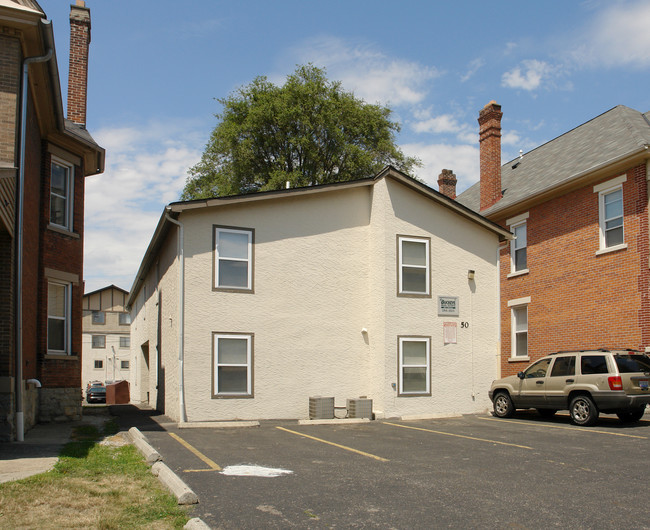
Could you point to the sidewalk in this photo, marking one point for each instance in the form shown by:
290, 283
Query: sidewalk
43, 443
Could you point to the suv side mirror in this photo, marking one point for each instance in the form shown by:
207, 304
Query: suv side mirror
521, 375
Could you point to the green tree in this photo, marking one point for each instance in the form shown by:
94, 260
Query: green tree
308, 131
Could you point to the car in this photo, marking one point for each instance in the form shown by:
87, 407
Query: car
96, 394
584, 382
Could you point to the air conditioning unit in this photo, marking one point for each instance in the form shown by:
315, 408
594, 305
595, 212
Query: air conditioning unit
359, 408
321, 408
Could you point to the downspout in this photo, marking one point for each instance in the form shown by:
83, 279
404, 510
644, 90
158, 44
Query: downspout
181, 317
20, 420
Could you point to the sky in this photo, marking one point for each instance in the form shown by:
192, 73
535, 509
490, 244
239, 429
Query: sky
157, 68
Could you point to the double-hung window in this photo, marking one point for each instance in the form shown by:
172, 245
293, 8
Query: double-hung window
58, 317
61, 194
611, 214
413, 266
414, 366
232, 362
233, 256
519, 320
519, 245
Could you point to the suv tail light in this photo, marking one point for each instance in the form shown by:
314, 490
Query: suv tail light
615, 382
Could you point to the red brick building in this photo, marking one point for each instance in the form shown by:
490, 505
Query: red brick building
577, 274
44, 159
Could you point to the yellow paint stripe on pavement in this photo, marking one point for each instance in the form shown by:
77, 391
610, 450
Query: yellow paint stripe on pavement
195, 451
457, 435
580, 429
335, 445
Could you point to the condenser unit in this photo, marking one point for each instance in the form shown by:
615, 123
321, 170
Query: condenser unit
321, 408
359, 408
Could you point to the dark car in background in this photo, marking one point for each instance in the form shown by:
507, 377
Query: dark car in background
96, 394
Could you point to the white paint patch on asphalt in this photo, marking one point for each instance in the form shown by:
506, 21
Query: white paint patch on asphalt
254, 471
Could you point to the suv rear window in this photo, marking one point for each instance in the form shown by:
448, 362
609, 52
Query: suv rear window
628, 364
593, 364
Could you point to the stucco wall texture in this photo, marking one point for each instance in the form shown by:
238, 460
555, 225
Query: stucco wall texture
325, 268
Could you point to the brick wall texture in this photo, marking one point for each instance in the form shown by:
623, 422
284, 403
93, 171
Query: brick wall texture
580, 299
10, 58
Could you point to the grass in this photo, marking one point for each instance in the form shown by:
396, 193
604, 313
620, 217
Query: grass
92, 486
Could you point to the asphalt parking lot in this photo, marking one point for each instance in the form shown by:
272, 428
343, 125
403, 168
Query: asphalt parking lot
470, 471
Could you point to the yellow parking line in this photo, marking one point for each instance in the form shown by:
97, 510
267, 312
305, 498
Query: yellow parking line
457, 435
194, 450
335, 445
580, 429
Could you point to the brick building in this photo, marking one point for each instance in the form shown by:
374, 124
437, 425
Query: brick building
576, 276
44, 159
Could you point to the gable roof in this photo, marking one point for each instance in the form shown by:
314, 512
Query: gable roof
614, 136
175, 208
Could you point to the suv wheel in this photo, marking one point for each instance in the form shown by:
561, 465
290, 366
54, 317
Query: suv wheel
631, 416
583, 410
503, 407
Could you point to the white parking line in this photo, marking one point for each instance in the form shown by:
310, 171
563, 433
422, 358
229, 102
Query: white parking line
579, 429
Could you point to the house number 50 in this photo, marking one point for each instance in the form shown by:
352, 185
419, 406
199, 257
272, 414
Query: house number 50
464, 324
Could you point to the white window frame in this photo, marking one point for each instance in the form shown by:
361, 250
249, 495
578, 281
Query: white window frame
515, 305
92, 341
401, 365
401, 266
248, 337
249, 232
603, 189
69, 199
66, 318
125, 339
512, 224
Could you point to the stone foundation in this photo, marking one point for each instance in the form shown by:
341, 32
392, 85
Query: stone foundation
59, 405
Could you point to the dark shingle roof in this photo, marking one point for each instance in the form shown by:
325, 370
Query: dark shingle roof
614, 134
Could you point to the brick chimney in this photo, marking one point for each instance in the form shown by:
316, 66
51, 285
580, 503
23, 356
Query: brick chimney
489, 120
78, 71
447, 183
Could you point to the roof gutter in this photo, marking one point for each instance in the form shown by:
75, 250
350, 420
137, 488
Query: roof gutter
20, 420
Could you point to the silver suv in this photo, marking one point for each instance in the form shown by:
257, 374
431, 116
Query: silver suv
583, 382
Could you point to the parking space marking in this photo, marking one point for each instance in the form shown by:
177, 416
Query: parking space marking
196, 452
579, 429
335, 445
457, 435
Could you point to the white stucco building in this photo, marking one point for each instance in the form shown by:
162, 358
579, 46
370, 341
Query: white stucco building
106, 340
380, 287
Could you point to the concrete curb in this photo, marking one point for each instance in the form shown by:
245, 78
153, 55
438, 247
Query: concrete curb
335, 421
217, 424
150, 454
174, 484
196, 524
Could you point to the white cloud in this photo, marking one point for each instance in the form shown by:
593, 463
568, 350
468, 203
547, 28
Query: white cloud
529, 76
463, 160
474, 66
145, 169
617, 36
369, 73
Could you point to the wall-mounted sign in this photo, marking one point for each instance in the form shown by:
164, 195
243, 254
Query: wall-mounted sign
448, 306
450, 332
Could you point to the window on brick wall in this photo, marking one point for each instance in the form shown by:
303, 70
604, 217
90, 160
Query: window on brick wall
58, 317
611, 214
520, 331
519, 245
61, 193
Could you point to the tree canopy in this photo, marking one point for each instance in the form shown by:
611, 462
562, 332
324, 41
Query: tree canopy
308, 131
